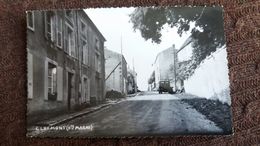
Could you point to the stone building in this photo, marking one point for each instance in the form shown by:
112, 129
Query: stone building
116, 71
165, 67
65, 61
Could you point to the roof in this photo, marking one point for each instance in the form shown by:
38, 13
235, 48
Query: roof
93, 25
113, 52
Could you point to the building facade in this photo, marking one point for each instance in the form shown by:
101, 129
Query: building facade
164, 67
65, 60
116, 72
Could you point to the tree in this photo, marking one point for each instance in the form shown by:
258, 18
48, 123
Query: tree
207, 35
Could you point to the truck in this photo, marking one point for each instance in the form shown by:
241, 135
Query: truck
164, 86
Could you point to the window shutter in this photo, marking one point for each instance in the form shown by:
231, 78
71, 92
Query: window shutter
73, 45
59, 31
60, 83
45, 24
53, 27
46, 80
84, 55
66, 40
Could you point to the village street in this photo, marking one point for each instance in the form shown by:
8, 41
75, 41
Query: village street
106, 82
148, 113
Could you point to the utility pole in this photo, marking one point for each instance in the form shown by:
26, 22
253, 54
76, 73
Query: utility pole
135, 76
122, 78
174, 65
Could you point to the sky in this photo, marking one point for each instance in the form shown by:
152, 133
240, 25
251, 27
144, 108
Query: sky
115, 22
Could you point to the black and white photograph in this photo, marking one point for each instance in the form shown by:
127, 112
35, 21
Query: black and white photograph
127, 72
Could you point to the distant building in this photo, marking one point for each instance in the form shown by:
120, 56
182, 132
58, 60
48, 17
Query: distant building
116, 72
131, 81
65, 60
165, 68
184, 55
151, 82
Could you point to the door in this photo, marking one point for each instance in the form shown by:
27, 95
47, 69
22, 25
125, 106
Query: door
70, 75
85, 89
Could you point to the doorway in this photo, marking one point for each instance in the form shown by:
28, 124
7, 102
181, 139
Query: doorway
70, 76
85, 89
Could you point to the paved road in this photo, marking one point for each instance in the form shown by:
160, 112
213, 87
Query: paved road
145, 114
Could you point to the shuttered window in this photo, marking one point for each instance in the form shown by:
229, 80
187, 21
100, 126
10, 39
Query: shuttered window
59, 31
49, 25
30, 20
52, 82
70, 40
85, 52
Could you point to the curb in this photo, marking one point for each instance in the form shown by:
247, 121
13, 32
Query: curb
132, 95
79, 114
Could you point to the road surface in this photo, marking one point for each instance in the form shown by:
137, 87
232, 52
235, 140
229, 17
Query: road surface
146, 114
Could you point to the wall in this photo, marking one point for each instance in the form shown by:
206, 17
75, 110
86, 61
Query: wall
210, 79
115, 80
186, 53
39, 49
96, 79
42, 51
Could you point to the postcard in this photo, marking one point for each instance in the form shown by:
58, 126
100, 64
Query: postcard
119, 72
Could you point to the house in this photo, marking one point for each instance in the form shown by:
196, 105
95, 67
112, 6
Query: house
116, 72
65, 61
165, 67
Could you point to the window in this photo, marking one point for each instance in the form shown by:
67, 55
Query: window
83, 28
70, 41
96, 44
85, 52
59, 31
30, 20
97, 63
52, 82
49, 25
83, 35
69, 13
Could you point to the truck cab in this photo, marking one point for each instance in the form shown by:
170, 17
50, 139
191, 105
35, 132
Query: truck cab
164, 86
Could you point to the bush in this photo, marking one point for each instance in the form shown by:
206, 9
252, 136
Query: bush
114, 95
